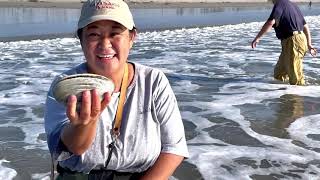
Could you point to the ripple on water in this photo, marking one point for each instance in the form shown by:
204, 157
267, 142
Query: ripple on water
11, 133
8, 84
233, 135
9, 114
190, 132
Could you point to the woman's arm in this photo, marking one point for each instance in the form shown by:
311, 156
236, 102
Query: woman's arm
80, 133
173, 142
163, 168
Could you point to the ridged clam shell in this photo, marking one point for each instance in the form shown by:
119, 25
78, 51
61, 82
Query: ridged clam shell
76, 84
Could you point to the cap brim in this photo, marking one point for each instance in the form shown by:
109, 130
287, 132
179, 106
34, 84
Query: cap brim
90, 20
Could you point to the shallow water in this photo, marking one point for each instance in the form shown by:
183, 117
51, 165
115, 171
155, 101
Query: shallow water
32, 23
240, 123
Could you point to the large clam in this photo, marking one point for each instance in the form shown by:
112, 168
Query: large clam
76, 84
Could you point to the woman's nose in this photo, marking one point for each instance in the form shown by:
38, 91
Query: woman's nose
105, 42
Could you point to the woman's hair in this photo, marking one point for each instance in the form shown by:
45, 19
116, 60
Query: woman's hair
79, 32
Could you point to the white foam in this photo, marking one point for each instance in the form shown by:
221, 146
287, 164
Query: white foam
187, 86
284, 151
302, 127
5, 172
43, 176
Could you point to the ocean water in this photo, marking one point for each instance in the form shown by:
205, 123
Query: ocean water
240, 123
31, 23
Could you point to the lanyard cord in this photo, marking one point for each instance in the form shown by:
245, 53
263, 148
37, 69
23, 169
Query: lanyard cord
123, 92
117, 123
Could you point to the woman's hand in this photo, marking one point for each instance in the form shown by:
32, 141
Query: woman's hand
80, 133
90, 110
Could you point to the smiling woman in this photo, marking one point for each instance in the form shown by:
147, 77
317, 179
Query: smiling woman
106, 46
104, 138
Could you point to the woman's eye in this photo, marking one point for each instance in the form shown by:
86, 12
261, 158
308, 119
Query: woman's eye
93, 34
114, 34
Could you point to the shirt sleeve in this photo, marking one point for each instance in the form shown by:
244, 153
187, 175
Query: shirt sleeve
168, 114
301, 15
55, 119
276, 12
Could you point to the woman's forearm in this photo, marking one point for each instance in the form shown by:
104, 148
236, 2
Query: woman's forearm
163, 168
80, 133
78, 138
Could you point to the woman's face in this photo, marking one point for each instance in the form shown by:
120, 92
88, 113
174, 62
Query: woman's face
106, 45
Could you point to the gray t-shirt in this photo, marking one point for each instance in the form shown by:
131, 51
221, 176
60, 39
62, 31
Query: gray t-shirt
151, 124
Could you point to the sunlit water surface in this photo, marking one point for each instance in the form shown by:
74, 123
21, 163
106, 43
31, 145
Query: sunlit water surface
240, 123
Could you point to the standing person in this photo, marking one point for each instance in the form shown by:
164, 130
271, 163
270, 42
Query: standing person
151, 143
310, 4
293, 31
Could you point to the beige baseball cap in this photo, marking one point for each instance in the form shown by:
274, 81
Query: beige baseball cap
114, 10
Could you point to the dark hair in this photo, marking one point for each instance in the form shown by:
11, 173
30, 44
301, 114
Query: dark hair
79, 32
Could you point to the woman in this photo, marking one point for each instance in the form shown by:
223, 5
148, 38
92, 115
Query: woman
135, 131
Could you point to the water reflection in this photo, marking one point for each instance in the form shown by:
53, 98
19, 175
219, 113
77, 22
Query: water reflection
41, 21
171, 18
274, 118
37, 15
36, 21
22, 22
291, 107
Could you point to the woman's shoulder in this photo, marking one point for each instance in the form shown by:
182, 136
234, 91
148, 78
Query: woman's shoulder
147, 70
150, 76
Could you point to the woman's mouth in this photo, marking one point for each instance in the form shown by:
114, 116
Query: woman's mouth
105, 56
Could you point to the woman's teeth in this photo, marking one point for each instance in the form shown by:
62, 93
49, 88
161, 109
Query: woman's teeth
105, 56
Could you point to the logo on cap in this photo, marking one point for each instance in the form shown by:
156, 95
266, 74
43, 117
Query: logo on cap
104, 5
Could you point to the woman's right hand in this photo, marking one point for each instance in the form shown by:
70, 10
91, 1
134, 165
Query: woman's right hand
90, 110
79, 134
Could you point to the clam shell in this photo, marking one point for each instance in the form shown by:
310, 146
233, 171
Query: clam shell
76, 84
